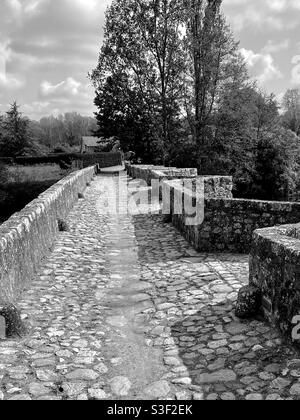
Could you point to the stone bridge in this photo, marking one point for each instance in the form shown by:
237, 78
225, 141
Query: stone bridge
141, 305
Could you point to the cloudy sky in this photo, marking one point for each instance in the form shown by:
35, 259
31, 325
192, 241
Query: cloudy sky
47, 48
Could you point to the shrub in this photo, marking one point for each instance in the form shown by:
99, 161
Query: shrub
3, 174
15, 196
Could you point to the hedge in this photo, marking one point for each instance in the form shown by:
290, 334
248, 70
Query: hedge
103, 159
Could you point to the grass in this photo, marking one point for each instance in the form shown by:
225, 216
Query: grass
21, 174
18, 195
22, 184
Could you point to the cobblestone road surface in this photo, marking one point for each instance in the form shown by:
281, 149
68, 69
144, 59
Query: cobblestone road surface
124, 308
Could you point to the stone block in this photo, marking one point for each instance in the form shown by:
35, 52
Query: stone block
2, 328
14, 326
248, 303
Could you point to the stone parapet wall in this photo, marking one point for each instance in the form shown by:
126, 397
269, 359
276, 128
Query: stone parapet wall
215, 186
228, 223
275, 272
144, 172
173, 173
27, 237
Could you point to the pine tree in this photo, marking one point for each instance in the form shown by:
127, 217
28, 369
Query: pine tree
15, 134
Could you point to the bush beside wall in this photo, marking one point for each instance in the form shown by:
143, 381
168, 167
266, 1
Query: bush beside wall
84, 160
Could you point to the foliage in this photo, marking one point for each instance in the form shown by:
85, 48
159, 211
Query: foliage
20, 136
277, 169
62, 131
172, 86
3, 174
121, 115
291, 104
140, 73
15, 137
15, 196
215, 67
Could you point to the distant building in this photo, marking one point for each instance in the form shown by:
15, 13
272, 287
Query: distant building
91, 145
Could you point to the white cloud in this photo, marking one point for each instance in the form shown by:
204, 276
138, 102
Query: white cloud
266, 15
20, 7
86, 5
15, 5
261, 66
7, 81
66, 96
66, 87
273, 47
53, 44
296, 70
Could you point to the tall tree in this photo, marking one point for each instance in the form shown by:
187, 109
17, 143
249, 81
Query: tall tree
64, 130
143, 41
291, 103
15, 134
121, 115
276, 167
216, 65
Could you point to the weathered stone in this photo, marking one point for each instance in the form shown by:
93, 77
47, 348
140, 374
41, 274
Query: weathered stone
228, 396
183, 396
272, 397
47, 375
295, 390
97, 394
72, 389
198, 396
158, 389
36, 389
83, 374
22, 397
280, 383
43, 363
248, 303
294, 364
2, 328
82, 397
212, 397
224, 375
13, 322
120, 386
273, 368
217, 344
172, 361
80, 344
101, 368
254, 397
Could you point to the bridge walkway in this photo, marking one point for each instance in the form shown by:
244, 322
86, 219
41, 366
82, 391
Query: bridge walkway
124, 308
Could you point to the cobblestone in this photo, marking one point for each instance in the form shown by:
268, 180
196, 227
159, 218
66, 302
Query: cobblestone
125, 308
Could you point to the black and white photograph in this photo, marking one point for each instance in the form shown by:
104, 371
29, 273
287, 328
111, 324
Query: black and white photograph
149, 203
